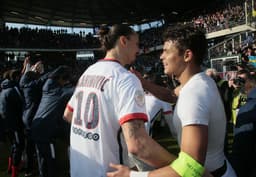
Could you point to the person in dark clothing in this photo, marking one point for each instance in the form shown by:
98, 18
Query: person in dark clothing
225, 91
48, 121
31, 84
11, 106
2, 126
2, 131
244, 146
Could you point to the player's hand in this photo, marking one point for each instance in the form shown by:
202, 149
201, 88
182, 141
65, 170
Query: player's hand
26, 61
207, 174
137, 73
121, 171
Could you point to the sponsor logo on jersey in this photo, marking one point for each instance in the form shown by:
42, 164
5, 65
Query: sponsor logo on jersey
86, 135
140, 98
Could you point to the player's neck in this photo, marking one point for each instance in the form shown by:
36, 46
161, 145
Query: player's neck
113, 56
189, 72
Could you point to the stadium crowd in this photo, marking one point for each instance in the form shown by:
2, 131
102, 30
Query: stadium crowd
230, 15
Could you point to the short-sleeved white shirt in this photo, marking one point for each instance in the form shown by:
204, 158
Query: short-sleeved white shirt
106, 96
199, 102
154, 106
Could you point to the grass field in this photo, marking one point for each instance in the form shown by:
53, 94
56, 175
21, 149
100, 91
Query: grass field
161, 134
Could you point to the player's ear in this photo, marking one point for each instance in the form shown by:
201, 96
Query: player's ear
123, 40
188, 55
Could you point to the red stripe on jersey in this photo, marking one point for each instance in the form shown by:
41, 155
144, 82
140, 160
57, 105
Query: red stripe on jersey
167, 112
133, 116
70, 108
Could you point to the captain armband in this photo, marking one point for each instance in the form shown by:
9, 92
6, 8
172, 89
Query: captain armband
139, 174
186, 166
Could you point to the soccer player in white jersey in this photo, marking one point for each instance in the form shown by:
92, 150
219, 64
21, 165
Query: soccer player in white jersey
109, 100
156, 108
199, 116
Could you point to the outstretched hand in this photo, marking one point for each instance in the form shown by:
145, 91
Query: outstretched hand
121, 171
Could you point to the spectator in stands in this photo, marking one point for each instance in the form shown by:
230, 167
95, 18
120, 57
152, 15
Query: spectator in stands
31, 84
243, 151
2, 127
2, 131
199, 128
10, 98
251, 55
227, 16
48, 122
45, 38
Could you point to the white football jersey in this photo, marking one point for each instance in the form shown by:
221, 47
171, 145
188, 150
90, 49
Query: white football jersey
157, 108
106, 96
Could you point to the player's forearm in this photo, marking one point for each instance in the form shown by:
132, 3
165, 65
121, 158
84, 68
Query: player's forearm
155, 155
146, 149
166, 171
160, 92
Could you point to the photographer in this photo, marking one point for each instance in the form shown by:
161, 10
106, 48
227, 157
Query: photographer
239, 96
243, 150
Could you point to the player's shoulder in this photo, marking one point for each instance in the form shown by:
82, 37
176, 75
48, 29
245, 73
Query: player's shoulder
130, 77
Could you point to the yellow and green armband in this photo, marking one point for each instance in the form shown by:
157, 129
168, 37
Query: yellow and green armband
186, 166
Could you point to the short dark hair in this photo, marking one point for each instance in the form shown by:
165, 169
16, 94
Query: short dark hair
252, 80
188, 37
243, 71
14, 74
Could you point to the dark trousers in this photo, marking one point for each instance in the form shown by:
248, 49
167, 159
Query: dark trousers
46, 159
17, 145
30, 151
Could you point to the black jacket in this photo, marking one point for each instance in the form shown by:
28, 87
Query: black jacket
48, 120
31, 87
11, 105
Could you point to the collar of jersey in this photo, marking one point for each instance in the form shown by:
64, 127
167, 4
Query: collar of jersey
110, 59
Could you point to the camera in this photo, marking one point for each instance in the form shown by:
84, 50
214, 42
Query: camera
239, 81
